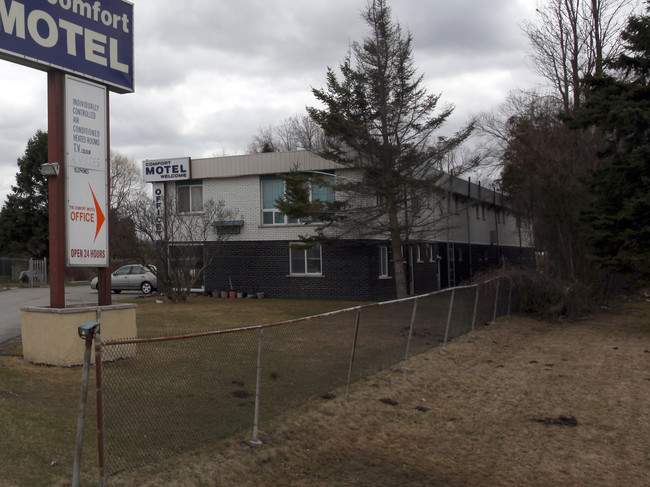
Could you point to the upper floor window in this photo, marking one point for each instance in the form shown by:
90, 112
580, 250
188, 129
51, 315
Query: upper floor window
189, 196
273, 189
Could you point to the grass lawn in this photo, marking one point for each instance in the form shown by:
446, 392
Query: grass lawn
39, 405
524, 403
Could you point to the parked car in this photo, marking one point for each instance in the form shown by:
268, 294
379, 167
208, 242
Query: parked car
131, 278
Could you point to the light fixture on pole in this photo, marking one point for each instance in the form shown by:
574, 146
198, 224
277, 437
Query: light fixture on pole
49, 169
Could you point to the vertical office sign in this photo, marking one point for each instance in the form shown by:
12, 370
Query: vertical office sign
87, 199
159, 202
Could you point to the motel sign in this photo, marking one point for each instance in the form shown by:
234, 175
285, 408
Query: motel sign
93, 39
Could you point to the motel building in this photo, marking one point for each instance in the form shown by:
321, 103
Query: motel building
476, 232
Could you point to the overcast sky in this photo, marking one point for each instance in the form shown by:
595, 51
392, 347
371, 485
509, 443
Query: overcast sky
210, 73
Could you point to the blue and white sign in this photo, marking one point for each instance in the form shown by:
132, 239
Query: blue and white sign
92, 39
161, 170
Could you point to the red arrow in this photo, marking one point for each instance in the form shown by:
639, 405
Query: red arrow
100, 215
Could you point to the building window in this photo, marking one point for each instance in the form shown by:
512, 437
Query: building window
478, 216
431, 249
186, 262
306, 261
383, 261
321, 192
273, 189
418, 253
189, 196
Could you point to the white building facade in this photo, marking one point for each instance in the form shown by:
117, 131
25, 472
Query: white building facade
475, 232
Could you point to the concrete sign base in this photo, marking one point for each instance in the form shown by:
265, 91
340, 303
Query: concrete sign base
50, 335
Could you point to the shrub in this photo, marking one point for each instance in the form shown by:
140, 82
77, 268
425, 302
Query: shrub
546, 297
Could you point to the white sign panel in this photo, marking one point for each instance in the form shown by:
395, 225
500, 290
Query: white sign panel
161, 170
86, 174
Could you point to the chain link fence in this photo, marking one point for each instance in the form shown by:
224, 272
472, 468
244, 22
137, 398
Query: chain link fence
177, 394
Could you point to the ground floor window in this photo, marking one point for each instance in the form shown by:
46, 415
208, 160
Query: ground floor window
383, 261
186, 264
305, 261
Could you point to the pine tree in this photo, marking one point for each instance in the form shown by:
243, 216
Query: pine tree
619, 218
24, 216
379, 121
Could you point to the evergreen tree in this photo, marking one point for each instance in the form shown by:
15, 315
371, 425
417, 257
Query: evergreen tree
379, 121
619, 218
24, 216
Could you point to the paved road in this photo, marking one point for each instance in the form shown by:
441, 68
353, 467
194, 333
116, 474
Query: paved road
12, 300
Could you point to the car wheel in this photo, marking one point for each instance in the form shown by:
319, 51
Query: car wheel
117, 291
146, 287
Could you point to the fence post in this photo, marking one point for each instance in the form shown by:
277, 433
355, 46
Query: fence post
86, 332
408, 340
354, 349
451, 306
255, 441
478, 286
509, 297
496, 301
100, 410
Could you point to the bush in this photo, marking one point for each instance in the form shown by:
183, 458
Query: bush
546, 297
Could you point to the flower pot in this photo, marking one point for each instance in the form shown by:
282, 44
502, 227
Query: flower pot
232, 294
224, 294
240, 294
260, 295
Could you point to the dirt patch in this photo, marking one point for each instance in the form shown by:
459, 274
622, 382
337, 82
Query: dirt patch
524, 403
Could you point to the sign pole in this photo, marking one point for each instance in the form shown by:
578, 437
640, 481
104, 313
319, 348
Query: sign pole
104, 273
56, 186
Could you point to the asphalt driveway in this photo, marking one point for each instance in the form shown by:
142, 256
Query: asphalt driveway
13, 299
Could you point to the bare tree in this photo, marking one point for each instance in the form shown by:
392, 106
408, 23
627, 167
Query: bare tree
492, 136
126, 181
307, 134
187, 245
127, 190
570, 39
298, 132
543, 165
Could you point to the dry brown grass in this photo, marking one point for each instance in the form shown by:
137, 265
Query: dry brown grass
485, 414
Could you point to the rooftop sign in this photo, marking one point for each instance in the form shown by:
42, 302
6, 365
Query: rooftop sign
93, 38
161, 170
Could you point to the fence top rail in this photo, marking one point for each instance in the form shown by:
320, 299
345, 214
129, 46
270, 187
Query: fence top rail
358, 308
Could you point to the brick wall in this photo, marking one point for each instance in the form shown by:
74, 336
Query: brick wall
350, 271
